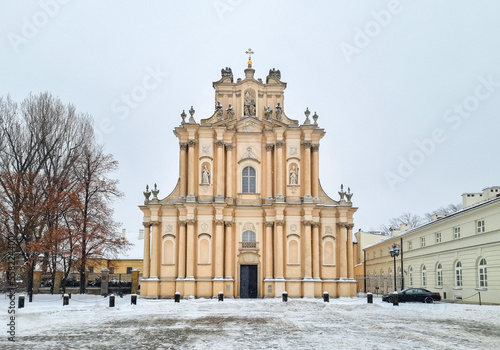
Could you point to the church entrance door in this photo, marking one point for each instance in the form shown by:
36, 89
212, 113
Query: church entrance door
248, 281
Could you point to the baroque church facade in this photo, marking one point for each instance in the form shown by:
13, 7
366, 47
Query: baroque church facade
248, 216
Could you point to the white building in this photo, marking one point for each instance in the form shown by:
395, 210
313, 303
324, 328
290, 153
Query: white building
457, 255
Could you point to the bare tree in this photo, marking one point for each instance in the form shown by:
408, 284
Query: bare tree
450, 209
55, 197
409, 219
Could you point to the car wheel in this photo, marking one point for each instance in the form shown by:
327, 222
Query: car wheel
429, 300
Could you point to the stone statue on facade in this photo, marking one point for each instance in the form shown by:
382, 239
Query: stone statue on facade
218, 110
249, 109
279, 111
268, 111
230, 112
205, 175
275, 73
294, 176
226, 72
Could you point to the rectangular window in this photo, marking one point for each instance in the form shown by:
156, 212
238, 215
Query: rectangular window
456, 232
410, 245
111, 270
422, 241
129, 270
480, 226
438, 237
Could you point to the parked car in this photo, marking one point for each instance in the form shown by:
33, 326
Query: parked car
414, 294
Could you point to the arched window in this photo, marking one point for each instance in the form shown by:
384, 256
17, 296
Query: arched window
481, 270
249, 240
439, 275
248, 180
458, 274
249, 236
424, 276
410, 276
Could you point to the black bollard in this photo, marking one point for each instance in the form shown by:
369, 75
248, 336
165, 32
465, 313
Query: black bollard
221, 296
69, 295
395, 299
326, 297
111, 300
20, 302
133, 299
177, 297
284, 296
65, 299
369, 298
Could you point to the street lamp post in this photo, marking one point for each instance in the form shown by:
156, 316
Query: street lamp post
394, 250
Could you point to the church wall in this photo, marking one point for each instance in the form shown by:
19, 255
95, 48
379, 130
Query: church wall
206, 228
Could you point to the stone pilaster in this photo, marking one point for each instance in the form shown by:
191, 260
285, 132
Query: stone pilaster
183, 166
181, 254
155, 250
190, 241
229, 172
307, 171
147, 250
315, 170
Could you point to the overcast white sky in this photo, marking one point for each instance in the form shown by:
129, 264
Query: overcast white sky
408, 92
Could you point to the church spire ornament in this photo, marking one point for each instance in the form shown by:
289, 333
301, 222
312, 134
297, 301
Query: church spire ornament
250, 53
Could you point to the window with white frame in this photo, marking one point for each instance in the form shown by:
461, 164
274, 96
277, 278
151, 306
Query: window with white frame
438, 237
422, 241
456, 232
424, 276
248, 180
410, 276
458, 274
439, 275
410, 245
482, 273
480, 226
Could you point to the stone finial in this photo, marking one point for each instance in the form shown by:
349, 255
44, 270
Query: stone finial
155, 192
183, 116
342, 192
307, 113
147, 193
315, 117
191, 113
349, 194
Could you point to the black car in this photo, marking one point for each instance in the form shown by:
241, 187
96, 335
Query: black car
414, 294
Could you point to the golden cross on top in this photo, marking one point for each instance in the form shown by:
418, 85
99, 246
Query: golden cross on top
250, 53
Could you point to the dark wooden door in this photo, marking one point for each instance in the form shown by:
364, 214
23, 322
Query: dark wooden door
248, 281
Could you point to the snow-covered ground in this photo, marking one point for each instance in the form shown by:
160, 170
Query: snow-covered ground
346, 323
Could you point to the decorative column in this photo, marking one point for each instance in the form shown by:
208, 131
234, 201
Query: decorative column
183, 169
307, 250
307, 172
269, 250
219, 248
155, 250
192, 171
279, 171
342, 254
269, 165
315, 250
228, 269
219, 197
350, 252
278, 250
315, 170
190, 249
229, 171
181, 255
147, 250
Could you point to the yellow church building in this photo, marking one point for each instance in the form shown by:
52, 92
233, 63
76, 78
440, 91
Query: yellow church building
248, 216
